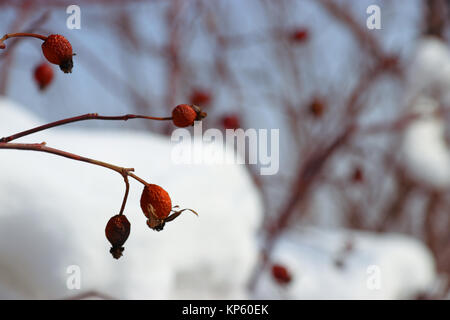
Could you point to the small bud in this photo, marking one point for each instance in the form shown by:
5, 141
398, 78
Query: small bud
43, 74
281, 274
58, 50
117, 231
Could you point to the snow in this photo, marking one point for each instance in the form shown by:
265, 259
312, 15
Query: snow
405, 266
429, 71
425, 152
54, 212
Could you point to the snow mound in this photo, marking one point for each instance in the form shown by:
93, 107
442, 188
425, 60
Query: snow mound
429, 71
54, 212
425, 152
372, 267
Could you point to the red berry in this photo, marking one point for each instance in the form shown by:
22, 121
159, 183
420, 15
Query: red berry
317, 107
281, 274
231, 122
58, 50
300, 35
156, 205
357, 175
184, 115
43, 74
117, 231
200, 97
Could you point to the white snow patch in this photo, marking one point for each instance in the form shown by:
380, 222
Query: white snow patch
405, 264
425, 152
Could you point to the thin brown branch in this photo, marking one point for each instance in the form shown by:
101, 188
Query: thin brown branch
127, 190
88, 116
363, 37
41, 147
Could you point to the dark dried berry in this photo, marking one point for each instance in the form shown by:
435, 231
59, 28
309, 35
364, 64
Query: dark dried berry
117, 231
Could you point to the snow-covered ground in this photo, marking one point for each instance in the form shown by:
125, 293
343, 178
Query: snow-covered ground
54, 211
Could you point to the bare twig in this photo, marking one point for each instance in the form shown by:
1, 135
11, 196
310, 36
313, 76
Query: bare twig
88, 116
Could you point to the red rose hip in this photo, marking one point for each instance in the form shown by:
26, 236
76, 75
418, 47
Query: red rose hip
183, 115
58, 50
281, 274
43, 74
231, 122
156, 205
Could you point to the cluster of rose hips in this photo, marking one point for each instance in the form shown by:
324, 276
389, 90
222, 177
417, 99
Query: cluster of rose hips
56, 49
155, 201
156, 206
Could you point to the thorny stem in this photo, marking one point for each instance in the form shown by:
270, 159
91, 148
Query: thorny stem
88, 116
20, 34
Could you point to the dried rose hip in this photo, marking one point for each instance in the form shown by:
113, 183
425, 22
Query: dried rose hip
317, 107
184, 115
117, 231
58, 50
156, 205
